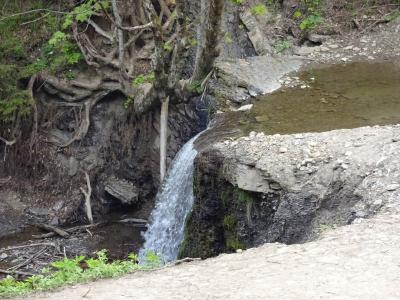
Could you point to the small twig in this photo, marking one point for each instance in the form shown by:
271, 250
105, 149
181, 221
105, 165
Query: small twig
27, 246
183, 260
24, 263
8, 143
85, 294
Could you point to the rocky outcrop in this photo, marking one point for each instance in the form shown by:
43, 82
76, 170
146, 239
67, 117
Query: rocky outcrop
240, 79
290, 188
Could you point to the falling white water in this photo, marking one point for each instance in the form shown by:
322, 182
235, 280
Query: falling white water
174, 201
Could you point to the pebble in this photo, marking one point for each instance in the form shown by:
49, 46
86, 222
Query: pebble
283, 150
3, 256
239, 250
348, 48
245, 107
392, 187
333, 46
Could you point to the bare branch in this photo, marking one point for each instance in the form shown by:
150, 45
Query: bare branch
100, 31
8, 143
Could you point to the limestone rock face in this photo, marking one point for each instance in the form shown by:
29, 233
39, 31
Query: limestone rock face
248, 191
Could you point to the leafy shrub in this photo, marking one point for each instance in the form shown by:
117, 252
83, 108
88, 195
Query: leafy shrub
70, 271
259, 10
143, 78
311, 22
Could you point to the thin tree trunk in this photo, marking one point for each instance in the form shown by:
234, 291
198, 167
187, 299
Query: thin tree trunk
163, 138
88, 195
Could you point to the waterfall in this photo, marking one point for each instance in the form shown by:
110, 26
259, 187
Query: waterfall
174, 201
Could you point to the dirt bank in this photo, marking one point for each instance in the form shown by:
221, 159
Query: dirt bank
353, 262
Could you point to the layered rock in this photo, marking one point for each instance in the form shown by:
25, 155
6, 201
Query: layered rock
290, 188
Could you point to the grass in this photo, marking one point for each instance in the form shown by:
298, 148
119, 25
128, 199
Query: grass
77, 270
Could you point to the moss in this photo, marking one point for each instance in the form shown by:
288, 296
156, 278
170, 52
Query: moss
233, 244
226, 197
244, 196
230, 222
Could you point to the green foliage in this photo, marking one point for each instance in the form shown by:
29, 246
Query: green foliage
259, 10
143, 78
282, 46
311, 22
238, 2
152, 260
297, 14
70, 271
233, 243
196, 87
228, 39
84, 12
12, 99
244, 196
308, 14
168, 46
128, 102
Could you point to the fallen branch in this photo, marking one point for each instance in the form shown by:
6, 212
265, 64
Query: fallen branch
133, 220
27, 246
69, 230
54, 229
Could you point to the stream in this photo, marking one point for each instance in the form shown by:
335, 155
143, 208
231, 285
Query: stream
339, 96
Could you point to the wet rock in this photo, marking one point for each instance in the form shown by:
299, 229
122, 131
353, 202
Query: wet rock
123, 190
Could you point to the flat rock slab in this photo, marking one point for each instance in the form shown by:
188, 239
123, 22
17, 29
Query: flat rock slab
360, 261
121, 189
241, 78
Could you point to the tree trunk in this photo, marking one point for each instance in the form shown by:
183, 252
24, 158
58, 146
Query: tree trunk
163, 138
209, 34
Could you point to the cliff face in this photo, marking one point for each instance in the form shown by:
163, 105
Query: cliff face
290, 188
